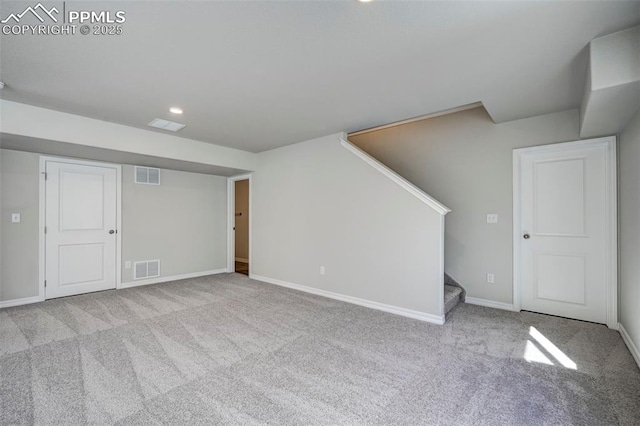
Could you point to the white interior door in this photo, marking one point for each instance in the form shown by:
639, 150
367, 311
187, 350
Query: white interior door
80, 221
564, 236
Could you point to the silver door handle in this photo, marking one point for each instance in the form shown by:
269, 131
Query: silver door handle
526, 236
111, 231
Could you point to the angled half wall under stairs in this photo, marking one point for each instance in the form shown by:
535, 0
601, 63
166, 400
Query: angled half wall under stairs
331, 220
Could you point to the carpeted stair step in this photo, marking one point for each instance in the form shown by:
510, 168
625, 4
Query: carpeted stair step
452, 295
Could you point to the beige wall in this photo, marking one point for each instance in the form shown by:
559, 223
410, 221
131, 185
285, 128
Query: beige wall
19, 243
629, 216
316, 204
181, 222
242, 222
465, 161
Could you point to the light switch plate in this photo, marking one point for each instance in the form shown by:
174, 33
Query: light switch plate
127, 264
15, 217
492, 218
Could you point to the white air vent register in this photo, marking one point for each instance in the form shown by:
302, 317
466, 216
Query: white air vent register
147, 175
171, 126
146, 269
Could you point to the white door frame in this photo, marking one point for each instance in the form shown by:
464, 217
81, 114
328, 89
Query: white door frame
231, 212
609, 143
42, 215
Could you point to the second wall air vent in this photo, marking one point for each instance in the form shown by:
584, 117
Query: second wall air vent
146, 269
147, 175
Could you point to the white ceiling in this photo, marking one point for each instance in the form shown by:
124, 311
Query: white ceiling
258, 75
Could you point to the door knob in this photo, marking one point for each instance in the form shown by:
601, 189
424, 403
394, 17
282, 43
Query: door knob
111, 231
526, 236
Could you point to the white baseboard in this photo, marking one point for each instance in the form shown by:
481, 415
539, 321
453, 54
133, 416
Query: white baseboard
241, 259
159, 280
422, 316
627, 341
489, 303
18, 302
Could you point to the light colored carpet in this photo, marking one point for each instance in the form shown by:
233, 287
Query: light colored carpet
229, 350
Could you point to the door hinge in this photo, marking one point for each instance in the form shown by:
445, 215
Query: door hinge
45, 175
45, 283
45, 229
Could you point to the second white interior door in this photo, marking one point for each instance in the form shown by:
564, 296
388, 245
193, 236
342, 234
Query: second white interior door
564, 235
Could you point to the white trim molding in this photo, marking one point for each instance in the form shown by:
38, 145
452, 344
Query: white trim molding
402, 182
409, 313
629, 342
231, 217
609, 144
441, 238
490, 304
42, 220
19, 302
159, 280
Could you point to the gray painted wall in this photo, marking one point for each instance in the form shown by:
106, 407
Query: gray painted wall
19, 243
182, 223
614, 58
612, 92
316, 204
629, 213
465, 161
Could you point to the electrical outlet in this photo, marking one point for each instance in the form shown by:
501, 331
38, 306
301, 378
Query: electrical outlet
492, 218
491, 278
127, 264
15, 217
322, 270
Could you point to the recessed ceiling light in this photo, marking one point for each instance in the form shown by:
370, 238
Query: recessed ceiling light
176, 110
364, 1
